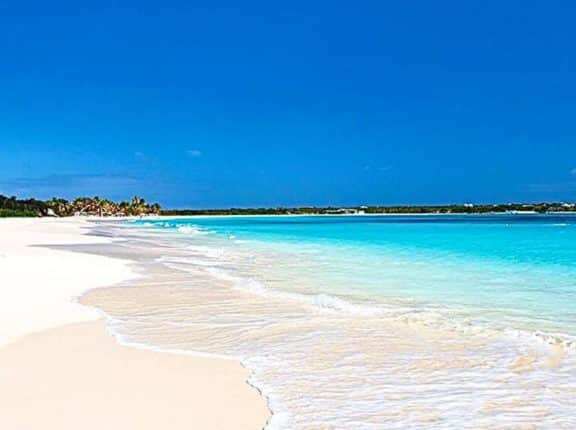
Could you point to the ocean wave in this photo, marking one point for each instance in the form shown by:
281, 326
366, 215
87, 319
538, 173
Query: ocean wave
188, 229
360, 365
184, 228
346, 369
215, 265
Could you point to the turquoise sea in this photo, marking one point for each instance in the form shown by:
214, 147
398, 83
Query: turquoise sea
481, 307
515, 269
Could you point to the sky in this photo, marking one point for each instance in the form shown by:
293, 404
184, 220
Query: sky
261, 103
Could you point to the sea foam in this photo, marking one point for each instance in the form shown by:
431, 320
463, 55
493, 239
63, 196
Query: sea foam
330, 350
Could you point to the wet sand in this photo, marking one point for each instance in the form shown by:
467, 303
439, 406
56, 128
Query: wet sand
77, 376
60, 369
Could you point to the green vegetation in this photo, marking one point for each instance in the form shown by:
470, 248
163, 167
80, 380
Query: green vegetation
440, 209
13, 207
11, 213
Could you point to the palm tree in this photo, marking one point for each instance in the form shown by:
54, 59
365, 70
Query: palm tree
10, 203
155, 208
123, 208
81, 205
60, 207
137, 205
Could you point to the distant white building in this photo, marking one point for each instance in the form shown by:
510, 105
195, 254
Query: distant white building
345, 211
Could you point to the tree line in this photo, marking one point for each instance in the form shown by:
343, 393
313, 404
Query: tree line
405, 209
12, 207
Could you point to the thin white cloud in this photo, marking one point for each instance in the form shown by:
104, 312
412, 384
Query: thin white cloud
194, 153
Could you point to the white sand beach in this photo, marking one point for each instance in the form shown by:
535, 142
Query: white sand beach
60, 369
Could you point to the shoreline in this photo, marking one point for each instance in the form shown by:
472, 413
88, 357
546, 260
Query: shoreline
402, 214
191, 310
46, 318
342, 366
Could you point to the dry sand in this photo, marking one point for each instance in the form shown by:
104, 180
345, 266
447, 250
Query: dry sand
38, 285
70, 373
78, 377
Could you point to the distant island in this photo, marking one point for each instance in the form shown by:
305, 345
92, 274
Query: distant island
373, 210
96, 206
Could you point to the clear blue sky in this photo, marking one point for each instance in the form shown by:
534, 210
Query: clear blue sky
248, 103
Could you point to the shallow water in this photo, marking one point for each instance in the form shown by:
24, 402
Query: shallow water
517, 270
369, 322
